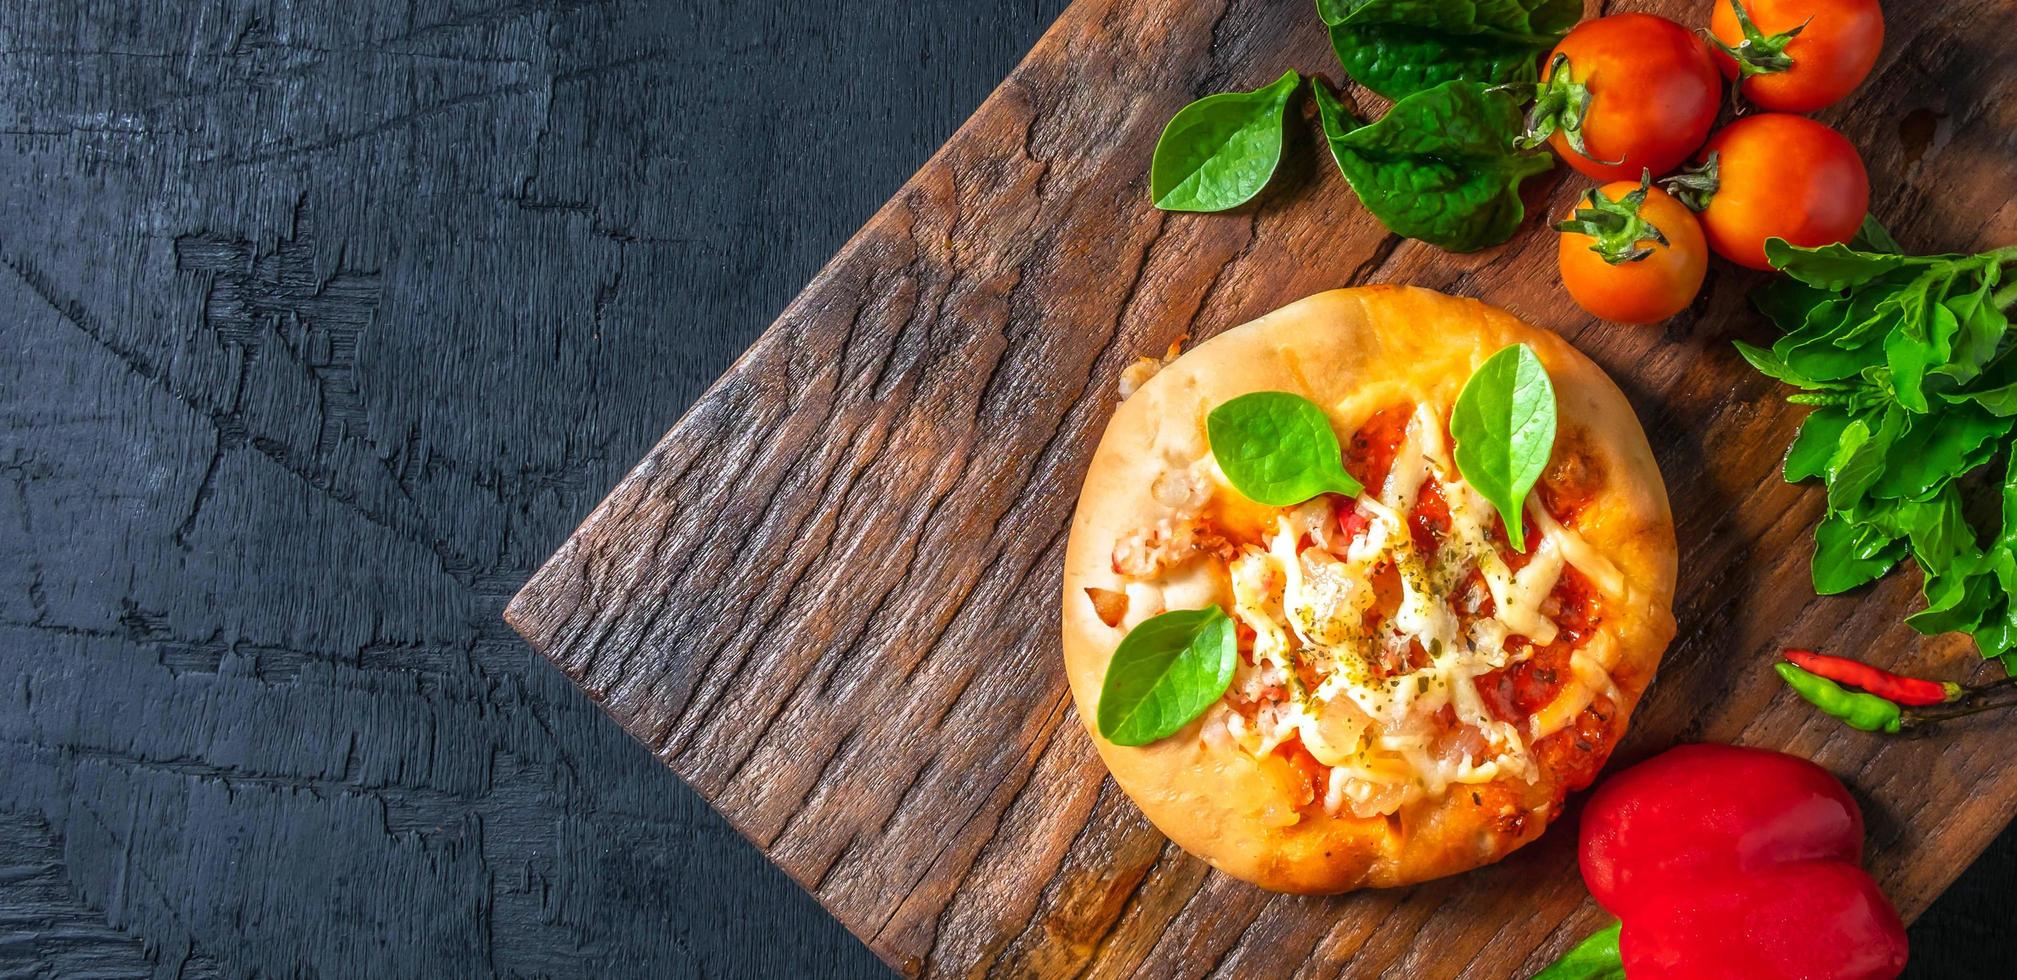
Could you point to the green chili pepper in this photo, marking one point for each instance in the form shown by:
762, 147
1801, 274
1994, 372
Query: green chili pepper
1863, 712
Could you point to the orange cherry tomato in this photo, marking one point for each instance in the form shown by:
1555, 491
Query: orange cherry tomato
1651, 280
1801, 55
1781, 176
1649, 93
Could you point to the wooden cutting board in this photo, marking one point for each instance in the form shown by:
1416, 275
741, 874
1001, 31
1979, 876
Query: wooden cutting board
829, 597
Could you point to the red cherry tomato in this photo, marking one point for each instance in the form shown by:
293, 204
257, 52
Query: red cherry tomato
1836, 44
1781, 176
1651, 280
1646, 89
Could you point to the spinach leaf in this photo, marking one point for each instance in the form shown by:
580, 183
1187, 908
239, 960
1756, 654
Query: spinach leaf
1504, 427
1440, 165
1400, 47
1218, 152
1165, 672
1278, 449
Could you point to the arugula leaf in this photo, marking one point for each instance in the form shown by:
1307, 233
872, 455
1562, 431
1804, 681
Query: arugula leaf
1941, 447
1440, 165
1848, 555
1957, 598
1912, 366
1859, 458
1788, 303
1872, 237
1400, 47
1165, 673
1820, 358
1815, 444
1218, 152
1504, 427
1978, 332
1939, 531
1836, 267
1278, 448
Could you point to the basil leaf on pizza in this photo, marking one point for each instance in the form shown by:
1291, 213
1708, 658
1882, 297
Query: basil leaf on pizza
1504, 427
1218, 152
1278, 449
1165, 673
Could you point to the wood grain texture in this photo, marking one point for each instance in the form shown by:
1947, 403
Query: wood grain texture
321, 325
828, 597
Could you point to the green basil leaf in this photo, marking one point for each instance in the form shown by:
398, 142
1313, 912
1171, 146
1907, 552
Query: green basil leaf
1504, 427
1440, 165
1278, 449
1595, 958
1848, 555
1165, 673
1218, 152
1400, 47
1819, 436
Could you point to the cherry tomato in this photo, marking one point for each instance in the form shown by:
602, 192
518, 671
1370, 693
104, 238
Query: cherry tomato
1781, 176
1650, 280
1639, 93
1798, 55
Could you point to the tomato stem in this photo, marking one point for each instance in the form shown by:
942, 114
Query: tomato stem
1695, 187
1559, 103
1616, 227
1758, 53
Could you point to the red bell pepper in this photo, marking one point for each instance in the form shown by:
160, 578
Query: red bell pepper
1733, 862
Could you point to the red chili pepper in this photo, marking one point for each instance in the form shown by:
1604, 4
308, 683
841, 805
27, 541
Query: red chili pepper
1912, 692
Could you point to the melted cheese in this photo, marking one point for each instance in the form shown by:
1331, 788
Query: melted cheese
1310, 603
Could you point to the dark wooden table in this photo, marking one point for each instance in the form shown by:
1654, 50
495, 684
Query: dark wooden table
318, 331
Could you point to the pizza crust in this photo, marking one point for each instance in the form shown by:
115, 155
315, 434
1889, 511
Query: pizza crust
1354, 352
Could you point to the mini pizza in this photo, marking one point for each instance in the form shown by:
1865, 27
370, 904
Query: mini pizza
1295, 621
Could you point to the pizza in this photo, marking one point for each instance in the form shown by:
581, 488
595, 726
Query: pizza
1405, 693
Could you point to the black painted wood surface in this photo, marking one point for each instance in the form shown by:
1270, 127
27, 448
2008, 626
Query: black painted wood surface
319, 327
